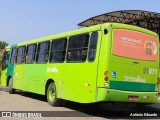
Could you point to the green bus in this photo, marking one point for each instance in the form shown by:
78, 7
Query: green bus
159, 76
4, 67
110, 62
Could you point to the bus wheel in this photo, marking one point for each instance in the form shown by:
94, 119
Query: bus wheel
52, 95
10, 88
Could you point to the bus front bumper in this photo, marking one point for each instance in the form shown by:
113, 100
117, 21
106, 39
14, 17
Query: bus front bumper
113, 95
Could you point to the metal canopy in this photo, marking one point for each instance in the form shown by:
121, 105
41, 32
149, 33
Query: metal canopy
144, 19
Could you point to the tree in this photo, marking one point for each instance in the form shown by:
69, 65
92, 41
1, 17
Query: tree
3, 44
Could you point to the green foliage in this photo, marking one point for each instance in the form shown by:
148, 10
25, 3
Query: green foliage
3, 44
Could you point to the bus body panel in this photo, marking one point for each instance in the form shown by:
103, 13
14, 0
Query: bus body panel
126, 77
35, 75
3, 78
67, 86
114, 95
19, 82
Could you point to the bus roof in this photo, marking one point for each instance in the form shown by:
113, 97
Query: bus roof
8, 47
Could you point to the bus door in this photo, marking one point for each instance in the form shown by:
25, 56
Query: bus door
11, 63
19, 81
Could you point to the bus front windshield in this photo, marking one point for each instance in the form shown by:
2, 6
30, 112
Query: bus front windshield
5, 60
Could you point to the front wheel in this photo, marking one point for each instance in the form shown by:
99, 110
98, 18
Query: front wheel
52, 95
11, 90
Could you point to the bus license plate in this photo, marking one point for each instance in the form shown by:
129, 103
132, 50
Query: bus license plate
132, 98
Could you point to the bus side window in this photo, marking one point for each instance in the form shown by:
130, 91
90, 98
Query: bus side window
93, 46
13, 56
58, 50
43, 51
21, 55
77, 48
30, 54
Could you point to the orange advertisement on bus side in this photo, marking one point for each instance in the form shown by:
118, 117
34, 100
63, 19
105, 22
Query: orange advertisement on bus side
133, 44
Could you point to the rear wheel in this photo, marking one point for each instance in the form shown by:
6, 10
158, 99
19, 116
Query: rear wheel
52, 95
11, 90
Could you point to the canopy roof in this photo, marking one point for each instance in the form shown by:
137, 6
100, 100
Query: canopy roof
145, 19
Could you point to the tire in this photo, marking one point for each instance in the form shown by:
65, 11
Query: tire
52, 95
11, 90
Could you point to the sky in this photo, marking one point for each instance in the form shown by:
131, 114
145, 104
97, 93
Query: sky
22, 20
